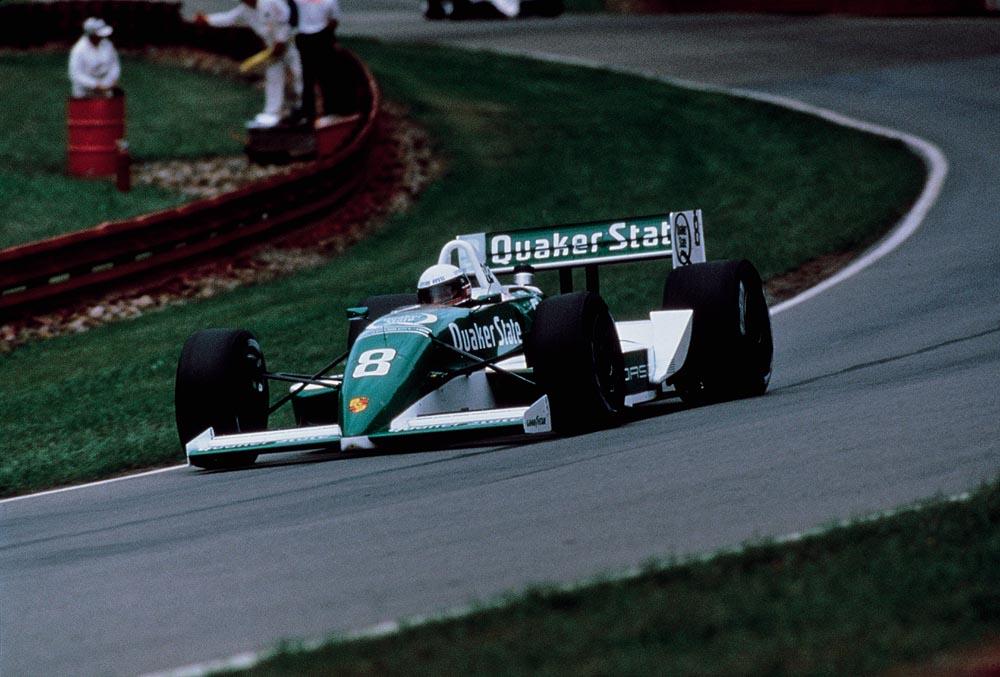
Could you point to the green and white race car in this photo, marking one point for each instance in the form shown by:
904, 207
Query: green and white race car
468, 356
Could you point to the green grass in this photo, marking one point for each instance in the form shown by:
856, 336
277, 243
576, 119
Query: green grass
171, 113
526, 143
857, 600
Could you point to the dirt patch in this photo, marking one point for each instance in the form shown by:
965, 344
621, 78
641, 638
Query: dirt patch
207, 177
808, 275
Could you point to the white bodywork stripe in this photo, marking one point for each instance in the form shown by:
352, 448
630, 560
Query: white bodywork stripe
208, 441
462, 392
666, 335
512, 415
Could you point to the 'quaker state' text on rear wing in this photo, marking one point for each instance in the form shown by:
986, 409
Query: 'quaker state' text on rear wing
677, 235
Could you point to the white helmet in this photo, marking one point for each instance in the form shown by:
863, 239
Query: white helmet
444, 284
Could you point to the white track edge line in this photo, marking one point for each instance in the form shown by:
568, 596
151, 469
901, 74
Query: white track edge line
249, 659
49, 492
937, 166
937, 170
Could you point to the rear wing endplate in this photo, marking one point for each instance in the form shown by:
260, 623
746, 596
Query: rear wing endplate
677, 235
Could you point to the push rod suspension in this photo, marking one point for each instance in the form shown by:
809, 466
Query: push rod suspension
313, 379
481, 363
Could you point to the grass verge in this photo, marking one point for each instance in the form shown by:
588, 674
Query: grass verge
526, 143
171, 113
854, 601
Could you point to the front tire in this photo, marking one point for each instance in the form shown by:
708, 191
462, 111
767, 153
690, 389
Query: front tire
576, 357
221, 384
731, 346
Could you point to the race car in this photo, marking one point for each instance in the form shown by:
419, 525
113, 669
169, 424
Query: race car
468, 356
491, 9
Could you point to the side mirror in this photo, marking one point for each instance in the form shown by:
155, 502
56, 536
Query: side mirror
357, 313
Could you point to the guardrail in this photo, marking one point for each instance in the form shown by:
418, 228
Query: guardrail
41, 273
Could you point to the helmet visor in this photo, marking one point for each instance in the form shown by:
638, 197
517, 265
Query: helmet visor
448, 292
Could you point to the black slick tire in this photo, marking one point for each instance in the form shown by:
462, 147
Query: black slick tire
377, 306
576, 357
731, 344
220, 384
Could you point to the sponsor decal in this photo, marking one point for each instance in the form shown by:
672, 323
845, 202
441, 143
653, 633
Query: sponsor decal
358, 404
536, 422
480, 336
637, 372
688, 237
405, 319
640, 237
375, 362
537, 418
621, 237
391, 329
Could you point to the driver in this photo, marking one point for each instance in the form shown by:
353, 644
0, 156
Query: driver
444, 284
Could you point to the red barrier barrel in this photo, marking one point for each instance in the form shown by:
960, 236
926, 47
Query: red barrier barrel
95, 127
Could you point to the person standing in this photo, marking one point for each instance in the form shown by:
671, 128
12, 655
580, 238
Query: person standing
318, 20
272, 21
94, 68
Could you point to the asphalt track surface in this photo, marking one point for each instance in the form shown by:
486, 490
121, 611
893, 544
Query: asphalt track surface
884, 392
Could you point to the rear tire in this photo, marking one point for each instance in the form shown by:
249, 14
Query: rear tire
576, 356
221, 385
731, 345
377, 306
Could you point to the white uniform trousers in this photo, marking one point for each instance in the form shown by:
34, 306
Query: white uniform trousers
274, 80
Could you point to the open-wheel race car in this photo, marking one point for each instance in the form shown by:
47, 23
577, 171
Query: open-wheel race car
467, 356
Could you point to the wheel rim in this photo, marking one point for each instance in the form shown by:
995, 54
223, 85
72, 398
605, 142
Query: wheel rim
255, 363
602, 351
743, 308
253, 366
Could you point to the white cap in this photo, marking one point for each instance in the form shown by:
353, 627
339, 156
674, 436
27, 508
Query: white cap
98, 27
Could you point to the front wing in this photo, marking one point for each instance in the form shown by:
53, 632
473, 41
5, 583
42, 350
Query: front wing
534, 419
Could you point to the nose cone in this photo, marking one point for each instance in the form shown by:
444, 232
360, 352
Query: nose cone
385, 374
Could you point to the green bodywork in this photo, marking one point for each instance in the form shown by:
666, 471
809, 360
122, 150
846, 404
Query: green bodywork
410, 352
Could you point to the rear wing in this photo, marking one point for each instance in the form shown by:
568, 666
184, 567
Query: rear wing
677, 235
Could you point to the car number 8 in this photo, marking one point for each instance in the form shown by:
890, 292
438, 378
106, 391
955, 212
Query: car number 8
374, 362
